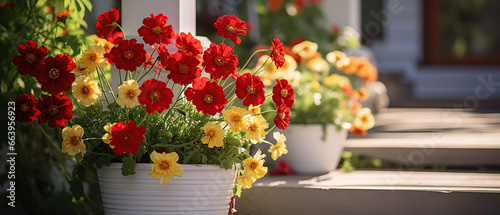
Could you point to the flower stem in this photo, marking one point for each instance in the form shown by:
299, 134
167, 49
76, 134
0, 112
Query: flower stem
251, 56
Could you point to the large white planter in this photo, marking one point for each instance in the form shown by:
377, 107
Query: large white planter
203, 189
308, 153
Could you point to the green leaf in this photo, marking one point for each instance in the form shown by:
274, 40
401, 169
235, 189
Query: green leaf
128, 167
237, 190
103, 161
76, 187
79, 172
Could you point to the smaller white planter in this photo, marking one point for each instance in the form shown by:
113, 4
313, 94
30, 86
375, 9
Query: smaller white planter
308, 153
203, 189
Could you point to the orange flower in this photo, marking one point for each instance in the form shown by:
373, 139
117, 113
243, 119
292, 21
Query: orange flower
356, 106
363, 93
361, 67
63, 15
356, 131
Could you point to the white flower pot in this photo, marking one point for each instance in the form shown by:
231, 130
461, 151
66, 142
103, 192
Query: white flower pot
308, 153
203, 189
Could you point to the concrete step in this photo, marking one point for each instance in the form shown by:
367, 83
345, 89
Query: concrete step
374, 192
415, 137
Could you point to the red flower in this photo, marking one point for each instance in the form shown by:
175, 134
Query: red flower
278, 53
250, 88
274, 5
30, 59
283, 94
283, 168
299, 5
155, 30
282, 119
126, 137
183, 68
187, 44
26, 108
55, 75
107, 22
220, 61
128, 55
208, 97
155, 95
115, 37
56, 109
163, 54
229, 26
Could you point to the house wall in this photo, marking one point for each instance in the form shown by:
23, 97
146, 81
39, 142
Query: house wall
400, 51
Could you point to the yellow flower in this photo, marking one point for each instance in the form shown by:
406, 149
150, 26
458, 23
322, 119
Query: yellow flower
256, 129
280, 147
95, 57
338, 59
72, 140
363, 93
245, 182
293, 78
290, 64
82, 68
315, 85
254, 167
364, 120
336, 80
213, 135
270, 73
128, 94
106, 138
305, 49
166, 166
254, 110
86, 91
237, 118
318, 64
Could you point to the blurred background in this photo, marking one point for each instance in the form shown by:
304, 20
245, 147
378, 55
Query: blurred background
438, 61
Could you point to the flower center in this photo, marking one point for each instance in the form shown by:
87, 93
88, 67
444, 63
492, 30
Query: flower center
54, 73
85, 90
183, 68
75, 140
53, 109
282, 115
251, 89
364, 119
219, 61
253, 127
231, 29
284, 92
164, 165
128, 55
236, 118
208, 98
24, 107
30, 58
154, 96
156, 30
92, 56
130, 94
211, 133
254, 165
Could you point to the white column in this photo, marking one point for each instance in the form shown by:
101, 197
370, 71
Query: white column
342, 12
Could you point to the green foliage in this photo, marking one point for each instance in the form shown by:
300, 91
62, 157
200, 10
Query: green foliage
32, 20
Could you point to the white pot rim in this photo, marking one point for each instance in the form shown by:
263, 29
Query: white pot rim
208, 167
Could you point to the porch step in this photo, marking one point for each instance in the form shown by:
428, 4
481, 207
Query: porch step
416, 137
374, 192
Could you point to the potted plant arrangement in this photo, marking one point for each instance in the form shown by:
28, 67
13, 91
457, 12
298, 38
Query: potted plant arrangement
326, 107
156, 152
